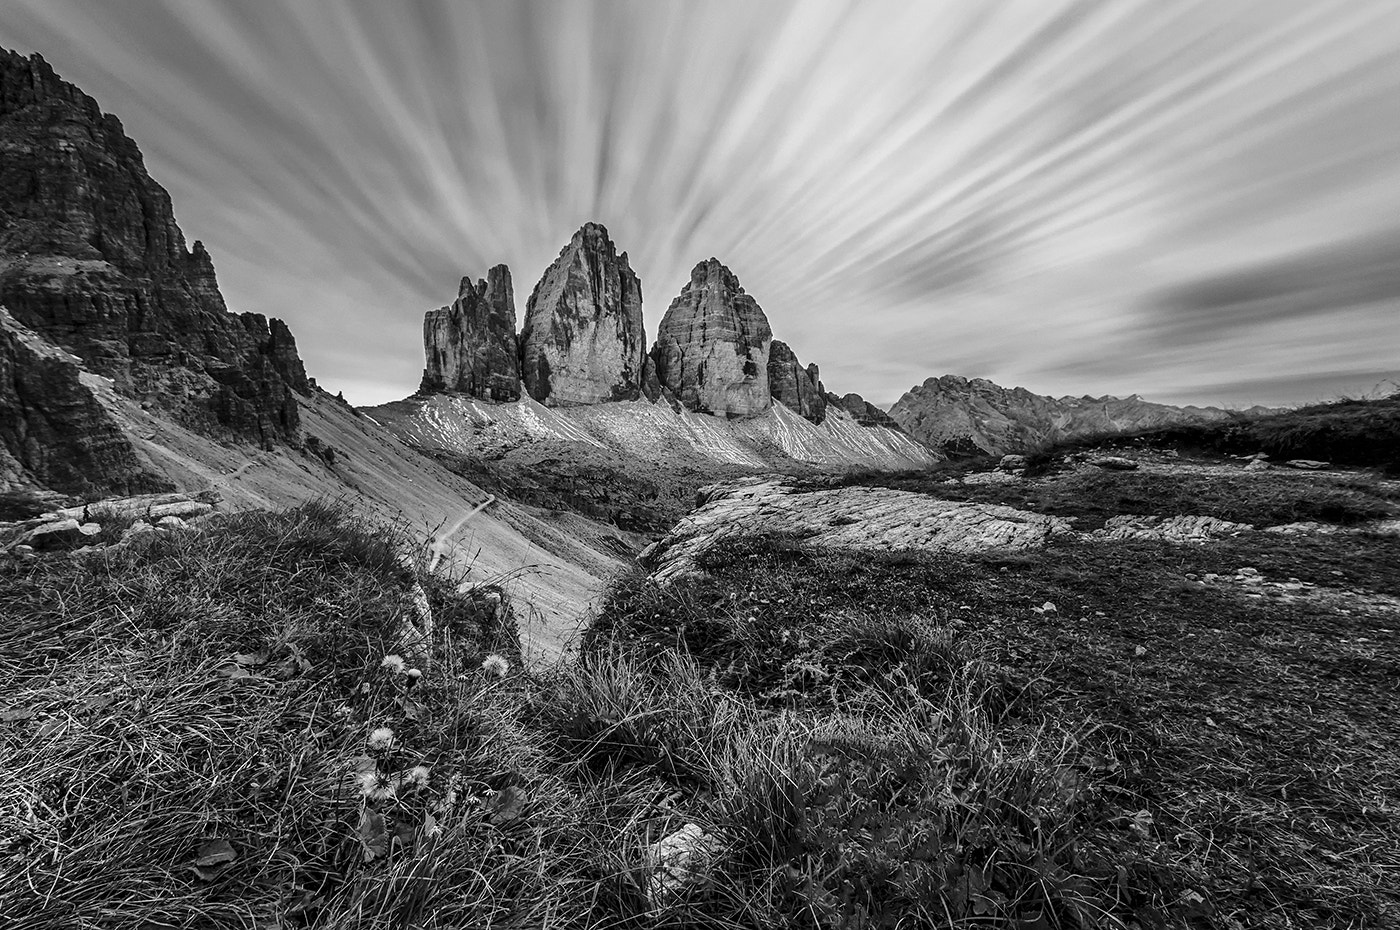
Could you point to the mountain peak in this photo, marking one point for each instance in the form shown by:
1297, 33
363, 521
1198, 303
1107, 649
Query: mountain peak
712, 346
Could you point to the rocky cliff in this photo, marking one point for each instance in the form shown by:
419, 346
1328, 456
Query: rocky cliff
582, 342
800, 388
91, 260
471, 346
955, 412
713, 344
54, 431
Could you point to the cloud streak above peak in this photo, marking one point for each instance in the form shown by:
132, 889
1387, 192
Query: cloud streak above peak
1082, 196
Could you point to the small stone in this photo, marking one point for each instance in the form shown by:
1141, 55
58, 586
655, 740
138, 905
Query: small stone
1114, 463
171, 523
1306, 464
680, 859
1140, 651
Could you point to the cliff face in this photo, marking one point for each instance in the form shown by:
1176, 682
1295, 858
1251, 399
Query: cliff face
54, 431
91, 259
801, 389
582, 342
713, 344
960, 413
471, 346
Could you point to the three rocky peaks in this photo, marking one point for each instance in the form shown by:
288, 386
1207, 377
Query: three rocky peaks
583, 342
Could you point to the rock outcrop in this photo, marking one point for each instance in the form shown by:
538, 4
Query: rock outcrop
843, 517
713, 344
471, 346
91, 260
800, 388
582, 342
955, 412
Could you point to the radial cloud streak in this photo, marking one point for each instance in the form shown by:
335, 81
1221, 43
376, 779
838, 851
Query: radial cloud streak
1177, 199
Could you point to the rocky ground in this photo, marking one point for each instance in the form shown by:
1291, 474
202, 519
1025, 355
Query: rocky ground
1004, 509
1223, 638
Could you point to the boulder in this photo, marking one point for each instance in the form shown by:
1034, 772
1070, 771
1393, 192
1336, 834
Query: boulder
1011, 462
471, 346
712, 346
583, 342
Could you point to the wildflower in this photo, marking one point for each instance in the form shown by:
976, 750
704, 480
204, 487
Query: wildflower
375, 785
416, 777
381, 738
414, 673
495, 665
393, 663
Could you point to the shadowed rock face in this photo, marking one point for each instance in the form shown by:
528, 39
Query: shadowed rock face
471, 346
91, 260
582, 342
53, 430
799, 388
712, 346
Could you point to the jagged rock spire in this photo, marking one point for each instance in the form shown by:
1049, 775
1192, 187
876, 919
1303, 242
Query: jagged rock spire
713, 344
583, 341
471, 345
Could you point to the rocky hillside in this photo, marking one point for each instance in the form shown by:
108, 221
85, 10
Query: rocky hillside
952, 412
92, 262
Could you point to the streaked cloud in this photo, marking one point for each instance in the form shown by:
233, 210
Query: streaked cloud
1177, 199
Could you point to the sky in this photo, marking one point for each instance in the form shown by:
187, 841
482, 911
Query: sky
1197, 200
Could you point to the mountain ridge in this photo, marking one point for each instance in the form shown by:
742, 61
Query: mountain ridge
950, 412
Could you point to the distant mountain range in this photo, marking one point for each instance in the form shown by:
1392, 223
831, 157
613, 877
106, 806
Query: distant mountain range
952, 414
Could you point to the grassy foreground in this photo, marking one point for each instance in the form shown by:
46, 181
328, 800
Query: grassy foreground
205, 731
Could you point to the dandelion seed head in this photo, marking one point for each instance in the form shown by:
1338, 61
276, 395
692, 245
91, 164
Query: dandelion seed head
376, 786
393, 663
381, 738
495, 665
416, 777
